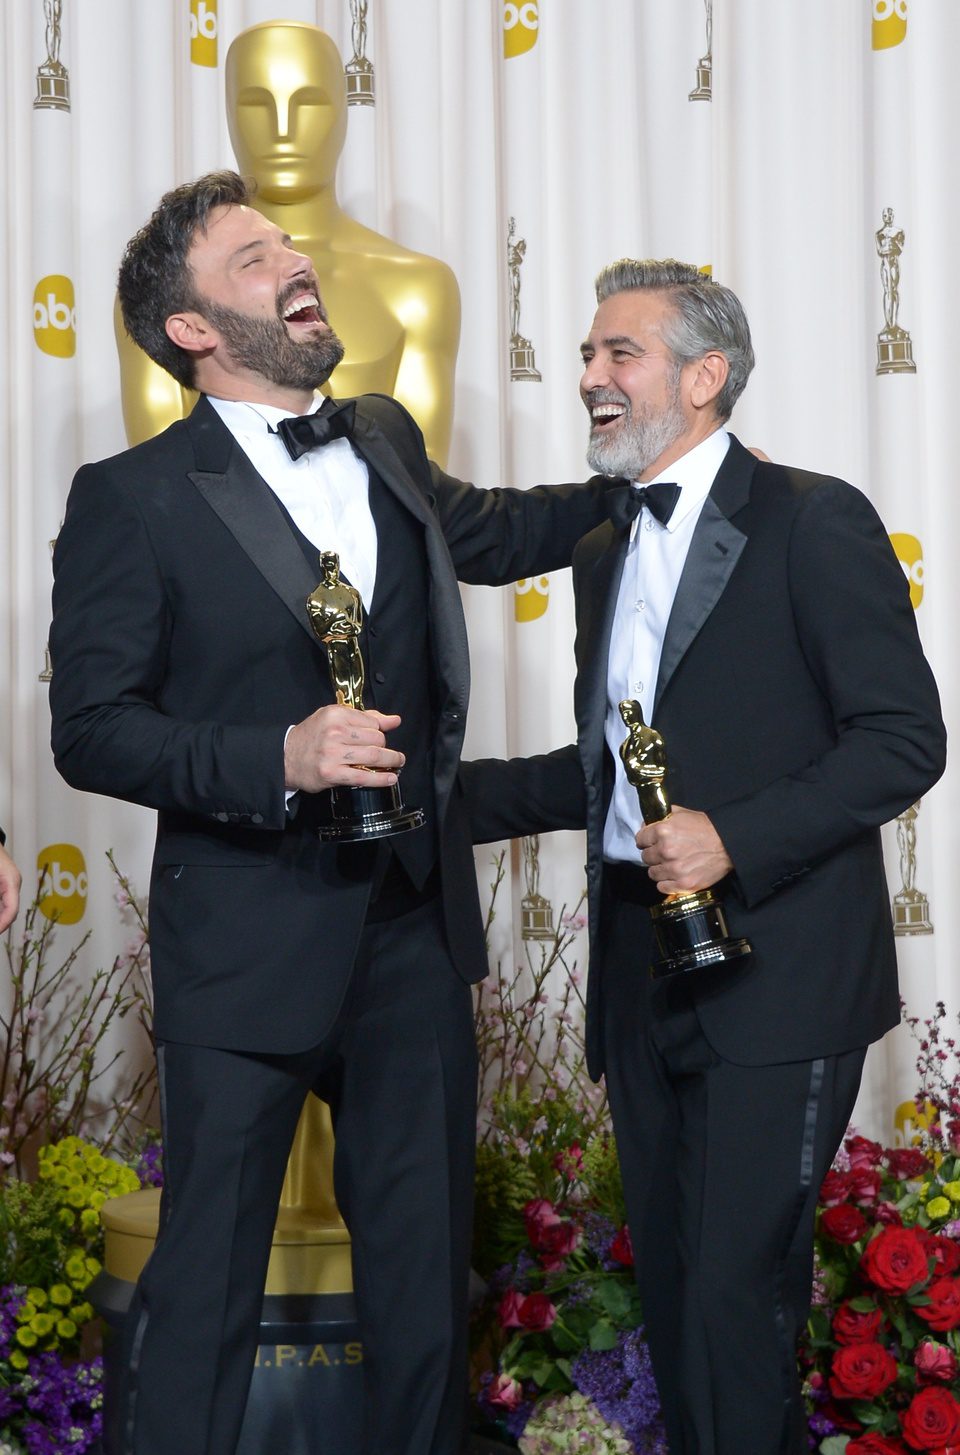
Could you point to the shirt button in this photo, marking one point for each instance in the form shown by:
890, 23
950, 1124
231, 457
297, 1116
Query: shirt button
640, 605
649, 525
638, 686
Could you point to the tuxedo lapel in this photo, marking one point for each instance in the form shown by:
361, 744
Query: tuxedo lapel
714, 552
597, 587
248, 508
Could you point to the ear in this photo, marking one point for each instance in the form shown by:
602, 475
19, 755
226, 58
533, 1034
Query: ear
709, 378
191, 332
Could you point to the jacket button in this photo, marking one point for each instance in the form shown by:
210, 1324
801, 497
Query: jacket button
256, 818
379, 677
223, 817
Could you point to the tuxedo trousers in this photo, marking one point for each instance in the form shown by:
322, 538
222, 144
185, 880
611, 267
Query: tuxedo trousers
399, 1071
722, 1165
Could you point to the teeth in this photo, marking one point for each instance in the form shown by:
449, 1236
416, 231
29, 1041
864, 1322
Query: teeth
607, 411
303, 300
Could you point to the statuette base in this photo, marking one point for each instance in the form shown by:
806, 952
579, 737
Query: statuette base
53, 87
704, 87
911, 913
369, 813
691, 933
895, 352
360, 85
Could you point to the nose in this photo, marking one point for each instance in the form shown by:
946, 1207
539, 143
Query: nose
297, 264
595, 374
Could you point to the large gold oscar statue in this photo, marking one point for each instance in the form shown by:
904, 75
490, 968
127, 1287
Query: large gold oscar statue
398, 313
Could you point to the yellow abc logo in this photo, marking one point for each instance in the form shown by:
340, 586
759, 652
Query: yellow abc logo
909, 553
203, 32
520, 25
55, 316
889, 23
531, 597
62, 895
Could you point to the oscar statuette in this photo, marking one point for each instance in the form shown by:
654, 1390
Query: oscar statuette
690, 927
336, 616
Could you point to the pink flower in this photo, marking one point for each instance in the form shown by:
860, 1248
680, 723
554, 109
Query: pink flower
509, 1311
935, 1363
505, 1393
862, 1152
834, 1189
533, 1313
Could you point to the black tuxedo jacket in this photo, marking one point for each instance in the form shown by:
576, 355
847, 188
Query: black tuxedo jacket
182, 652
799, 713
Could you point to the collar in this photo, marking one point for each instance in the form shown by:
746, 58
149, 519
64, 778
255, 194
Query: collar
695, 473
241, 417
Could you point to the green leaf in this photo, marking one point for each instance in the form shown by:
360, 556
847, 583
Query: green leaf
603, 1335
834, 1444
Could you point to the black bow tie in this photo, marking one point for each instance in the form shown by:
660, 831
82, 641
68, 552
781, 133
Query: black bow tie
306, 431
625, 502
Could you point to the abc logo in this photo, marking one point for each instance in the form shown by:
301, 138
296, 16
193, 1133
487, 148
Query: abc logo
62, 895
531, 597
55, 316
910, 555
520, 25
203, 32
889, 23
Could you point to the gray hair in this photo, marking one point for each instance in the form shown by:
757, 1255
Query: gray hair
705, 316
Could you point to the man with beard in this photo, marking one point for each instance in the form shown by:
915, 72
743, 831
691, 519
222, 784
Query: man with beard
187, 677
760, 618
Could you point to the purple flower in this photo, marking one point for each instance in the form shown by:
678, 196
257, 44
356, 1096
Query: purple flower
149, 1166
621, 1384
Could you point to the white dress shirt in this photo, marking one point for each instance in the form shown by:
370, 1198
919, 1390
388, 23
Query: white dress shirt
651, 573
326, 492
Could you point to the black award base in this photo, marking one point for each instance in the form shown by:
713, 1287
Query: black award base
369, 813
691, 932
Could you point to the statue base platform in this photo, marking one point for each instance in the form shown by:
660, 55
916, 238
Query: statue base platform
308, 1374
895, 352
911, 913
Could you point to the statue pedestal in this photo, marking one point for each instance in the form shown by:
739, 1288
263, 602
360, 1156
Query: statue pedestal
309, 1370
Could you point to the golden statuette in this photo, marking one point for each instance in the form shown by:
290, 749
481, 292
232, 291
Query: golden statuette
690, 928
336, 615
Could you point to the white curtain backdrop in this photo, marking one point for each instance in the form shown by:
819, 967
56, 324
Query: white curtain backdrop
564, 131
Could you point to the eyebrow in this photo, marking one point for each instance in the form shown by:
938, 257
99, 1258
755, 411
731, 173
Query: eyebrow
613, 341
249, 247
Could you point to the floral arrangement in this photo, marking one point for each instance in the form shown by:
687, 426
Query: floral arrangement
558, 1343
881, 1358
54, 1181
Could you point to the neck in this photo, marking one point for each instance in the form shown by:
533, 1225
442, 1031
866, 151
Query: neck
688, 441
250, 389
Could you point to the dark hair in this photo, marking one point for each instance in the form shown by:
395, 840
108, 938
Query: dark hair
706, 316
155, 278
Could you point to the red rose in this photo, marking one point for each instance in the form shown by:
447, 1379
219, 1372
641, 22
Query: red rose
931, 1420
844, 1224
888, 1214
833, 1189
944, 1251
536, 1313
621, 1249
864, 1185
895, 1260
861, 1371
840, 1416
851, 1327
862, 1152
505, 1393
874, 1444
906, 1162
935, 1363
538, 1215
943, 1310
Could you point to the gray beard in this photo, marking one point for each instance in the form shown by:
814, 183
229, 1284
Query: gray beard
265, 346
639, 441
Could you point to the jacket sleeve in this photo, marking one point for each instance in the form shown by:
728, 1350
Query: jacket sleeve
859, 637
108, 646
509, 798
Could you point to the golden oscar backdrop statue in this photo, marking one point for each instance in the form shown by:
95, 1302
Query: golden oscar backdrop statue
397, 311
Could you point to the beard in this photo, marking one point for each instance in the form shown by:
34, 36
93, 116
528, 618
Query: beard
264, 345
641, 437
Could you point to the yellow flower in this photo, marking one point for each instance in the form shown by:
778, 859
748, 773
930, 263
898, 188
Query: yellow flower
61, 1295
66, 1329
76, 1270
38, 1297
26, 1338
938, 1207
81, 1313
952, 1190
18, 1360
89, 1221
76, 1197
41, 1324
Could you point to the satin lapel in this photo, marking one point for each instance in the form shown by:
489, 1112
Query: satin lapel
714, 552
248, 508
597, 587
448, 628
